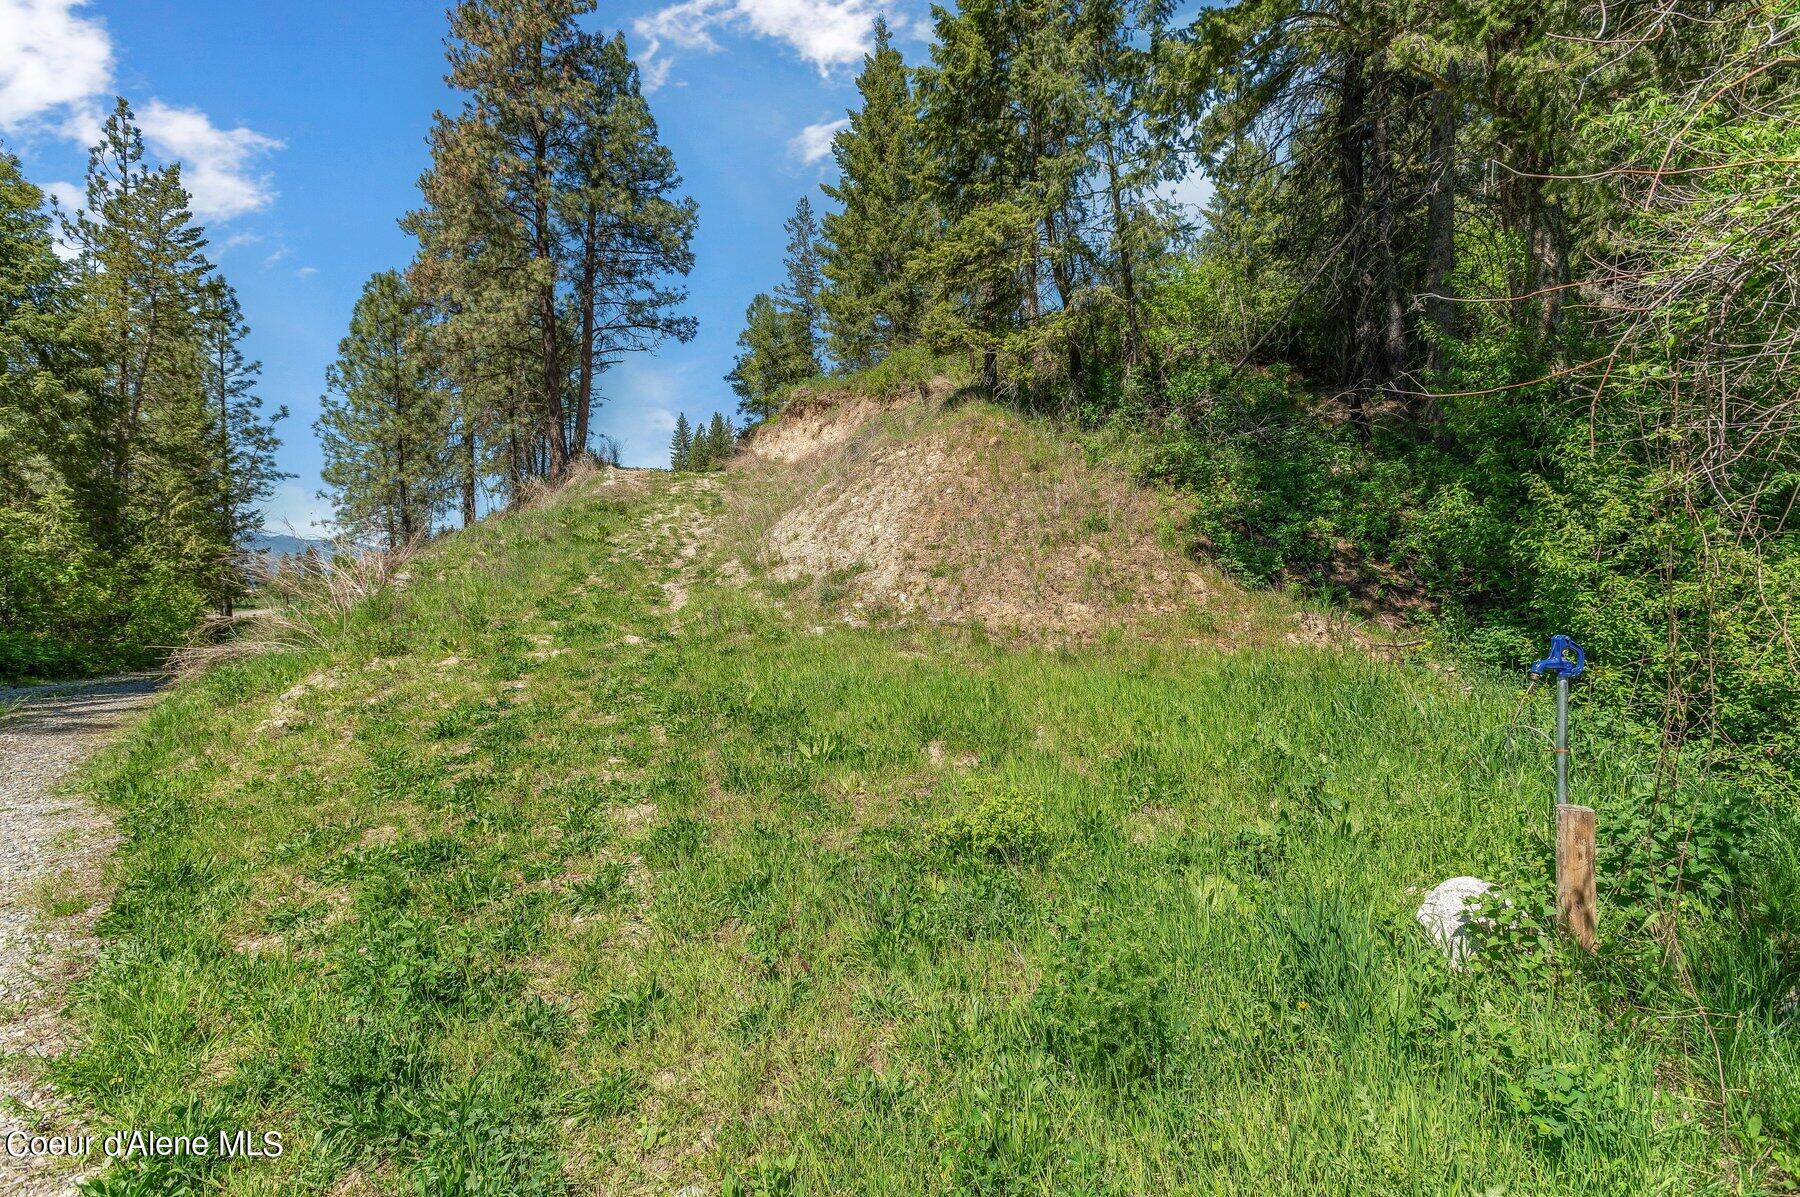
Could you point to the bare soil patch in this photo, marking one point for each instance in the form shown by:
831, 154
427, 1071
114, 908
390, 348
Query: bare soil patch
968, 515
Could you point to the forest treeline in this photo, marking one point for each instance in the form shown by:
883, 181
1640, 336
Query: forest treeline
134, 450
551, 236
1491, 314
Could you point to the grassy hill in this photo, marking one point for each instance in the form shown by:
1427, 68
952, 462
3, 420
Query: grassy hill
814, 828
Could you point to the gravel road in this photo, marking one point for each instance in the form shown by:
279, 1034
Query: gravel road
52, 846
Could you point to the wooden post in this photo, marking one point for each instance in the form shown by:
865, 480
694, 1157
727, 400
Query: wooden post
1575, 902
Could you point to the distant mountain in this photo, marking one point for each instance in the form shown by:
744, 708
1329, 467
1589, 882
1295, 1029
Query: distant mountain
280, 544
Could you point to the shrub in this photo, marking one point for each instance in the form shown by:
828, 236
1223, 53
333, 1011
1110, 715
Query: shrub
66, 608
1006, 826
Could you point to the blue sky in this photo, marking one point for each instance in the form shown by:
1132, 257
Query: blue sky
301, 128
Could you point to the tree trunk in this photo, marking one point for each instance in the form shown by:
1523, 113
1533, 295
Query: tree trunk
1134, 335
1440, 247
1358, 335
406, 512
468, 475
590, 270
226, 521
549, 344
551, 350
1551, 254
1390, 355
515, 464
1440, 224
1065, 289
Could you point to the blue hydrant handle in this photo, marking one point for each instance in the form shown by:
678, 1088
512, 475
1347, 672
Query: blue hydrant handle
1566, 659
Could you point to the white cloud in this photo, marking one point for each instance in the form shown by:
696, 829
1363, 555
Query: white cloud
71, 199
813, 143
218, 165
56, 68
239, 241
826, 33
642, 399
52, 59
686, 25
297, 510
70, 195
306, 271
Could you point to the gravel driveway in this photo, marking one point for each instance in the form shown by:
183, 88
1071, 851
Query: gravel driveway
52, 847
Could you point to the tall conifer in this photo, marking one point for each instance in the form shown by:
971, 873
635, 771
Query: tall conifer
384, 424
871, 304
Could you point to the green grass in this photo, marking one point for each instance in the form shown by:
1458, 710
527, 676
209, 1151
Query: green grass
714, 900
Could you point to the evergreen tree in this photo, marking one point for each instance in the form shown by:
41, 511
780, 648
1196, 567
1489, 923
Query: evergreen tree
700, 455
720, 437
53, 581
503, 170
46, 442
144, 290
1004, 121
1369, 106
774, 357
1116, 45
681, 446
798, 298
871, 304
244, 439
384, 425
552, 223
132, 450
630, 229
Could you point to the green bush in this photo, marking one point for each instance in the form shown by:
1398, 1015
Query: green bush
67, 608
1004, 826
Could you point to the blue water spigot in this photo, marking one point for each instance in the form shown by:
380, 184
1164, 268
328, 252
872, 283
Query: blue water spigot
1565, 660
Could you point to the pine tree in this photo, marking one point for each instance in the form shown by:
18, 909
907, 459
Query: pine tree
773, 358
700, 455
1116, 52
551, 232
501, 176
798, 298
681, 446
143, 280
51, 475
630, 230
719, 438
384, 424
1004, 122
872, 305
244, 439
132, 449
46, 441
1375, 102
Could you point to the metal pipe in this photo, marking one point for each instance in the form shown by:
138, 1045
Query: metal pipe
1562, 739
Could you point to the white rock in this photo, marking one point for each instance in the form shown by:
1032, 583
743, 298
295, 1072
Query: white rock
1446, 916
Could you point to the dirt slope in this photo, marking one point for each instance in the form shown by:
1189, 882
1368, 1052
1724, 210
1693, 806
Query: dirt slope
922, 507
